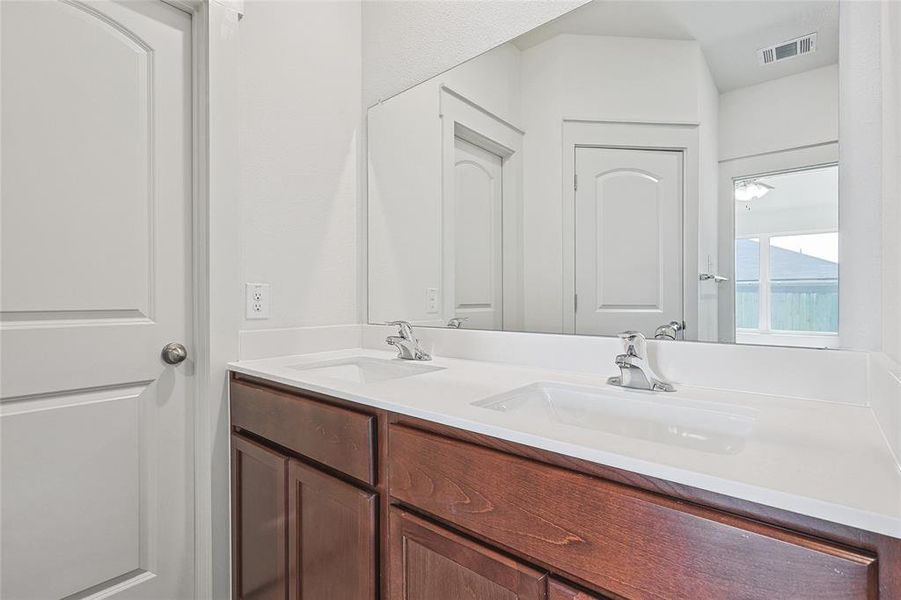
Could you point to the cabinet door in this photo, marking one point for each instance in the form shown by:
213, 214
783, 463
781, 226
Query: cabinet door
557, 590
331, 537
259, 524
427, 562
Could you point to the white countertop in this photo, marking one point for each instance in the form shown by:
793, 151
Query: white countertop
822, 459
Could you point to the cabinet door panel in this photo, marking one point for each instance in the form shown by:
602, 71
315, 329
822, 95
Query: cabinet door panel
259, 525
332, 537
430, 563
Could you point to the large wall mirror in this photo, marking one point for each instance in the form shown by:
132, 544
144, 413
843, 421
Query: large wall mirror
668, 167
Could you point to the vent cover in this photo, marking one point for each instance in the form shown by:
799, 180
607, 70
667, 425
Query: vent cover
787, 50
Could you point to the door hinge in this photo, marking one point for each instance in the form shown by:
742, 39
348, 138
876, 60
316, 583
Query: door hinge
575, 302
575, 182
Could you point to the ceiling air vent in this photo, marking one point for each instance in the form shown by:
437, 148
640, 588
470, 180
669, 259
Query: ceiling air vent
787, 50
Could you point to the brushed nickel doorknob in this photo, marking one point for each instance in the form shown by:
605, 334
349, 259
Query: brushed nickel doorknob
174, 353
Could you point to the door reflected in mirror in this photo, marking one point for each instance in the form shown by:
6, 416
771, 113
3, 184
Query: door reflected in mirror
629, 165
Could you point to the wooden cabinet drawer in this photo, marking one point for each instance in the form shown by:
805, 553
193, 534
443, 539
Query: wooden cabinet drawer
611, 537
336, 437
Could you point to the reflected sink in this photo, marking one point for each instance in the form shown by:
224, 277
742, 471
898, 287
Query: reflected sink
362, 369
700, 425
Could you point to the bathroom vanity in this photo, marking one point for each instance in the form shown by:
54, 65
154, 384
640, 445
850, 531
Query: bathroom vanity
346, 486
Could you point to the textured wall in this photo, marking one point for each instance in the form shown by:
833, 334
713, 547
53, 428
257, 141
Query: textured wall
299, 131
790, 112
860, 182
406, 42
891, 219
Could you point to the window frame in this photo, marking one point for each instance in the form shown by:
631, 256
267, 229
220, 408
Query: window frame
765, 334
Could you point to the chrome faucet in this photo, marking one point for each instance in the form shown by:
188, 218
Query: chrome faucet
406, 343
635, 371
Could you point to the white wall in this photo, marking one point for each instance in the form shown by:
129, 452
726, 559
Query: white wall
860, 183
406, 42
568, 77
794, 111
891, 195
300, 93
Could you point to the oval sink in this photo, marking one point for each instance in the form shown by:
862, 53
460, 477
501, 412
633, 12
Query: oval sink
363, 369
706, 426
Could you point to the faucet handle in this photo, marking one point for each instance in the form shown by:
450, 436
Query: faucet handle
634, 343
405, 328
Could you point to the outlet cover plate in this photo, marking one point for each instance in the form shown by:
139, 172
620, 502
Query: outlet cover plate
256, 300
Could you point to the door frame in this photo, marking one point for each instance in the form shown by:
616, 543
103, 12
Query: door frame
634, 135
743, 167
214, 53
462, 117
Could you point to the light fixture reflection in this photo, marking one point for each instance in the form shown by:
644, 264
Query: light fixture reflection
751, 189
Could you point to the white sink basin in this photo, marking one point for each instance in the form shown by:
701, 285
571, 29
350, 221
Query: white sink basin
363, 369
705, 426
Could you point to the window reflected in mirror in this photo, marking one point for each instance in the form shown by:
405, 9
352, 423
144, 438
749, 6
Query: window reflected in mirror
787, 258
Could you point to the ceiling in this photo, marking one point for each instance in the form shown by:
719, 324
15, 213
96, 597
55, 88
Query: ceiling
729, 32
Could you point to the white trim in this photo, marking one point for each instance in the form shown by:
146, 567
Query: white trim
763, 287
193, 7
793, 159
211, 41
682, 137
203, 544
775, 338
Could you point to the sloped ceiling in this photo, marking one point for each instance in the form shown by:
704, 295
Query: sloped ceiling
729, 32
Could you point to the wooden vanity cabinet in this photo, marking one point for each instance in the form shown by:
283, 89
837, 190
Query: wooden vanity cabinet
335, 500
304, 510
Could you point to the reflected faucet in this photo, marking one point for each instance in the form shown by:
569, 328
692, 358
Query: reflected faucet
635, 371
456, 322
671, 331
406, 343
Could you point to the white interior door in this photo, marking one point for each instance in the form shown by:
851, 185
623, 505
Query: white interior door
628, 242
477, 234
97, 451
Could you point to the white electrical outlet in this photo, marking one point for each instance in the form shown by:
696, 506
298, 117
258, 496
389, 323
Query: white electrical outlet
256, 300
431, 300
